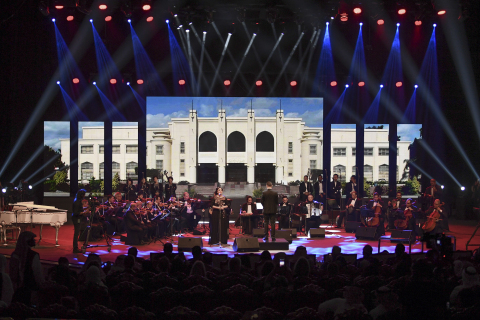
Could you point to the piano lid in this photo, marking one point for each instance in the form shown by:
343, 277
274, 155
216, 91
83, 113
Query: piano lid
27, 206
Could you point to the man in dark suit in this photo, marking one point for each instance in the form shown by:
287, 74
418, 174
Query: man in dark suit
375, 205
395, 206
78, 218
249, 209
335, 189
320, 190
352, 207
305, 189
270, 203
134, 224
434, 191
442, 224
351, 186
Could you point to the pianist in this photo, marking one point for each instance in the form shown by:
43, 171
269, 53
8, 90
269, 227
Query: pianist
77, 217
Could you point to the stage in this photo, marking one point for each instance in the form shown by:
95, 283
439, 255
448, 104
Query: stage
461, 230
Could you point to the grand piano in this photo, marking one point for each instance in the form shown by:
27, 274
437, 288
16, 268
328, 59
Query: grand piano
29, 213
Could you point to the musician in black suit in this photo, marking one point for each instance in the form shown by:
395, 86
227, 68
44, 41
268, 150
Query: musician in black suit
170, 189
410, 213
188, 211
335, 189
351, 186
434, 191
248, 210
156, 188
143, 186
134, 224
284, 210
376, 204
320, 190
270, 203
305, 188
442, 224
352, 207
130, 191
395, 207
78, 218
307, 213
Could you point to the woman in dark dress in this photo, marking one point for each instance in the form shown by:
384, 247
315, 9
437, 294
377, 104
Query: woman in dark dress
284, 210
218, 219
170, 189
129, 190
156, 189
144, 187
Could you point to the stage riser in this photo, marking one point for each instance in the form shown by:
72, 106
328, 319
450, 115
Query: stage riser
279, 244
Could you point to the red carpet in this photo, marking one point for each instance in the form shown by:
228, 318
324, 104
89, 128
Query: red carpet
461, 230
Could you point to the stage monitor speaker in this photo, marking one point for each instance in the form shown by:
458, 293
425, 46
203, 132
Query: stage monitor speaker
293, 232
402, 236
249, 244
351, 226
284, 234
316, 233
187, 243
366, 233
258, 232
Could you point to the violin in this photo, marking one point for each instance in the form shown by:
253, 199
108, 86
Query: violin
432, 219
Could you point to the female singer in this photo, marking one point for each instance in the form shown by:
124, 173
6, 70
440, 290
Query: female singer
129, 191
170, 188
219, 219
143, 186
156, 189
284, 210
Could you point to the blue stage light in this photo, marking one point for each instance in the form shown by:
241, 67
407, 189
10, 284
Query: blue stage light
398, 24
4, 190
361, 23
167, 21
30, 187
129, 20
327, 23
462, 188
416, 86
58, 82
346, 86
128, 83
94, 83
91, 20
442, 186
434, 25
381, 86
53, 20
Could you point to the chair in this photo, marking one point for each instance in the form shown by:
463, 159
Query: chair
240, 297
303, 313
182, 313
164, 299
203, 305
224, 312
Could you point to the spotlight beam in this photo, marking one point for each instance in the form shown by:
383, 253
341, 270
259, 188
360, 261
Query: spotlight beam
286, 62
266, 62
29, 161
303, 56
43, 166
200, 67
257, 57
436, 158
220, 63
309, 62
51, 174
243, 59
410, 162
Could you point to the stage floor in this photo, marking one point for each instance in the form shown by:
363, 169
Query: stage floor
461, 230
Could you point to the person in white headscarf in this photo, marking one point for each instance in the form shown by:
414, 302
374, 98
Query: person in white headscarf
469, 279
94, 276
7, 287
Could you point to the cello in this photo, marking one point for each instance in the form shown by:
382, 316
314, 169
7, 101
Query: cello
375, 220
432, 219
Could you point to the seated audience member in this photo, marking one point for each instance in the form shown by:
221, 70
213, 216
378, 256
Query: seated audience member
352, 299
6, 287
387, 302
469, 279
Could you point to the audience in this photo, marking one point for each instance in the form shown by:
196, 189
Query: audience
285, 287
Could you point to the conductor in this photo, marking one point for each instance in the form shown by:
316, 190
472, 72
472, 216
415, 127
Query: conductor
269, 203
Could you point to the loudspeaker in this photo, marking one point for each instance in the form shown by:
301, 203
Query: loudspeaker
351, 226
316, 233
284, 234
366, 233
293, 232
402, 236
187, 243
249, 244
258, 232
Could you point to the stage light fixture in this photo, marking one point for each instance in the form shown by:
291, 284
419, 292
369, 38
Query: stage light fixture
293, 83
108, 18
399, 84
205, 32
58, 82
113, 81
30, 187
361, 24
344, 17
258, 83
91, 20
76, 80
181, 82
416, 86
94, 83
102, 7
129, 20
346, 86
327, 23
226, 82
462, 188
150, 19
361, 84
434, 25
53, 20
442, 186
58, 7
441, 13
139, 81
380, 22
332, 18
418, 22
398, 24
167, 21
70, 18
333, 83
187, 30
128, 83
357, 10
402, 11
146, 5
4, 190
381, 86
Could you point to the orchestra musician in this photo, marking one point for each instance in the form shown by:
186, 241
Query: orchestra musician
188, 212
129, 190
437, 210
158, 210
108, 208
140, 196
147, 216
395, 208
305, 188
78, 218
335, 189
307, 213
134, 224
409, 214
352, 208
170, 188
434, 191
284, 210
377, 208
247, 211
320, 190
156, 189
219, 219
270, 203
143, 186
351, 186
174, 207
119, 213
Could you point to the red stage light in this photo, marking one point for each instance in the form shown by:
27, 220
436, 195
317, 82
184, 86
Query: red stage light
333, 83
59, 7
226, 82
357, 10
113, 81
380, 22
293, 83
102, 7
259, 83
108, 18
139, 81
402, 11
146, 7
149, 19
70, 18
343, 17
361, 84
75, 80
181, 82
441, 12
399, 84
418, 23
